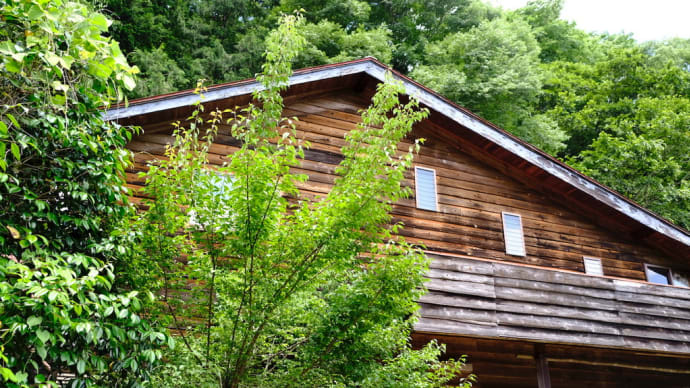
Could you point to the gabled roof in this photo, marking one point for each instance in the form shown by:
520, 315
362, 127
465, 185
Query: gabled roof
649, 226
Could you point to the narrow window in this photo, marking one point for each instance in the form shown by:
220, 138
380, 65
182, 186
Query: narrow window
513, 235
425, 188
663, 275
658, 275
593, 266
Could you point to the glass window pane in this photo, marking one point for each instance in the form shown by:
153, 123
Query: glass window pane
658, 275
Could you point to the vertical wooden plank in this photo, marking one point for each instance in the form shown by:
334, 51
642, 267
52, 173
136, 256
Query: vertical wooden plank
543, 376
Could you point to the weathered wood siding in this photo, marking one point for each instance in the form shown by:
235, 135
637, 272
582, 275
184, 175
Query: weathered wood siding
502, 300
471, 195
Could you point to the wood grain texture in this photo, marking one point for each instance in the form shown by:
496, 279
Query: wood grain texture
487, 297
502, 300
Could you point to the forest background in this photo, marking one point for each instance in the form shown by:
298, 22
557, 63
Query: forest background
616, 109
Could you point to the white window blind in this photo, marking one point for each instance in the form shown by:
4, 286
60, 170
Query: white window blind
425, 188
593, 266
513, 235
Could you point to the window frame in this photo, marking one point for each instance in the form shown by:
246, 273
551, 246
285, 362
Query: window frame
670, 274
416, 189
522, 233
590, 258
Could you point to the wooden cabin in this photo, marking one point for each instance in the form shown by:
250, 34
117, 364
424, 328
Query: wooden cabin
541, 275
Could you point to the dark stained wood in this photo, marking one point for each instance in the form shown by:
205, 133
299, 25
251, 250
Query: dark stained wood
503, 363
472, 193
543, 375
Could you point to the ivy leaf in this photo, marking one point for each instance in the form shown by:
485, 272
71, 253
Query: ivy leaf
42, 352
43, 335
34, 320
35, 12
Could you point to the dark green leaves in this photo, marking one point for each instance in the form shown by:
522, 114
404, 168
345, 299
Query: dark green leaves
61, 187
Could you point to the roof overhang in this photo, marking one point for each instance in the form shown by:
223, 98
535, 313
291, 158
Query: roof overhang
375, 69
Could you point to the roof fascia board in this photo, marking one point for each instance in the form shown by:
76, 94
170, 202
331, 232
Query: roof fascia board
231, 90
509, 143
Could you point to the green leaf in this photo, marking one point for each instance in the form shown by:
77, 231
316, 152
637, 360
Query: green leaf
35, 12
100, 21
14, 121
42, 335
3, 129
6, 47
52, 59
42, 352
13, 66
81, 367
34, 320
98, 70
21, 377
129, 82
7, 375
15, 151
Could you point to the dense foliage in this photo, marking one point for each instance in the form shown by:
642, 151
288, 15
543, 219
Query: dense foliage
270, 288
573, 94
61, 169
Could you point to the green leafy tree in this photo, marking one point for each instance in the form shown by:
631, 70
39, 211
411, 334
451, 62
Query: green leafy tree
647, 158
268, 287
493, 69
61, 169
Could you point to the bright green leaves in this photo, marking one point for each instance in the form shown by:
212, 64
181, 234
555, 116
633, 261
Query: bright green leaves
33, 321
291, 289
493, 69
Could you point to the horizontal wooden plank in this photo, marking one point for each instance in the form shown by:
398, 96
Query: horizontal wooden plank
569, 325
559, 311
457, 314
454, 300
554, 287
449, 286
556, 277
459, 276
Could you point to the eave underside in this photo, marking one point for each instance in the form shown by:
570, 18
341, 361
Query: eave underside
512, 364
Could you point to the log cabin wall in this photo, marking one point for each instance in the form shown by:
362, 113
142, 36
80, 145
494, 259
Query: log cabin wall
471, 194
